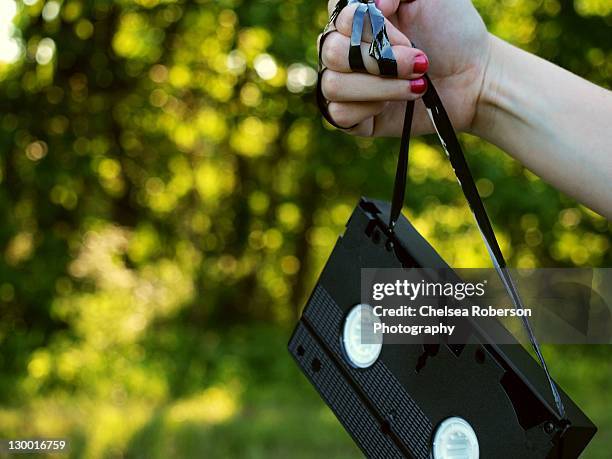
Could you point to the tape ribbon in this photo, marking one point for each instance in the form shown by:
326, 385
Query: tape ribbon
381, 50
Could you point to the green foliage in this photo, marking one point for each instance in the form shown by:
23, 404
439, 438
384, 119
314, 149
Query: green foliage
167, 185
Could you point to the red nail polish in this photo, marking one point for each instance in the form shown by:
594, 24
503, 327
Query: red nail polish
418, 86
421, 64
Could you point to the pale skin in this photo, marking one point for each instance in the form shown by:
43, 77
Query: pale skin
554, 122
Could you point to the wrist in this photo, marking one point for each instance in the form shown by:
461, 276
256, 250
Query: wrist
493, 90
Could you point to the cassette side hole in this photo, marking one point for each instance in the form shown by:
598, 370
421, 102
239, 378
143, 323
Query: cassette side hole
315, 365
300, 350
369, 207
480, 355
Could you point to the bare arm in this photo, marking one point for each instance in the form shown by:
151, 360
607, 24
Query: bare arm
556, 123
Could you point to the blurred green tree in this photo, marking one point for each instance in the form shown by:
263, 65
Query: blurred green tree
165, 177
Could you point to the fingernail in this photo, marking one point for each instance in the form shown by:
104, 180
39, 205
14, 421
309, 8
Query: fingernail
418, 86
421, 64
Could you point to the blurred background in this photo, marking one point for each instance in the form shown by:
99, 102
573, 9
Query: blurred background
169, 193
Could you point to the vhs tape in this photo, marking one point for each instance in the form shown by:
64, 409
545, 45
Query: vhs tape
425, 401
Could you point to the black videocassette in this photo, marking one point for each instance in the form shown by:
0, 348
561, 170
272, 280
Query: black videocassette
392, 408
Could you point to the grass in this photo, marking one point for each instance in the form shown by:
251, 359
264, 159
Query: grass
264, 408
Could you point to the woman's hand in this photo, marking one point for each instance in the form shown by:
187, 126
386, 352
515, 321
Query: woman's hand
552, 121
453, 47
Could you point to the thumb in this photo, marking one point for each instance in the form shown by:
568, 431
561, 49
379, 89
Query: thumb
390, 7
387, 7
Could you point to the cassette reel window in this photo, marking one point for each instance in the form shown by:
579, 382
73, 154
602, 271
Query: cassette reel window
361, 344
455, 438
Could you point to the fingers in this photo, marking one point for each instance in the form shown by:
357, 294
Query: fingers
361, 87
411, 62
352, 113
344, 25
389, 122
364, 129
364, 101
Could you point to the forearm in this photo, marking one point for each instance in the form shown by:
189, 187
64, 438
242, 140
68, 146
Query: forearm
554, 122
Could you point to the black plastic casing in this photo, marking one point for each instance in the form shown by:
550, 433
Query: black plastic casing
392, 408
